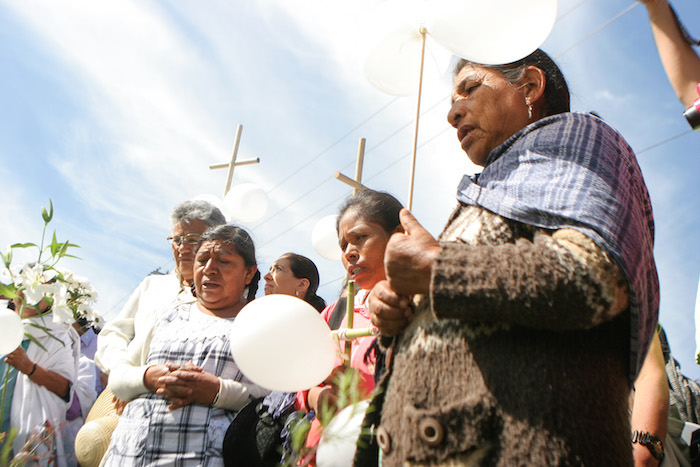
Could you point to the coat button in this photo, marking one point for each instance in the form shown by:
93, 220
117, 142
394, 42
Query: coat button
383, 439
431, 431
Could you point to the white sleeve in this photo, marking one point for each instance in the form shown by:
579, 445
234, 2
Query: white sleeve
234, 395
126, 378
152, 296
126, 382
116, 335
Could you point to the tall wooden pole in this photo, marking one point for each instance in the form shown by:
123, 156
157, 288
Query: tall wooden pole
423, 32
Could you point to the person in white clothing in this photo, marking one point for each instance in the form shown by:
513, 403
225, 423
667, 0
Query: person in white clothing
47, 367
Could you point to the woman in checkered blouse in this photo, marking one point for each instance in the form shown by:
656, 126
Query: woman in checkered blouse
184, 421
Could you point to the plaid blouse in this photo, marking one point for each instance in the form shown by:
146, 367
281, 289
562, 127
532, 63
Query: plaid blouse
148, 432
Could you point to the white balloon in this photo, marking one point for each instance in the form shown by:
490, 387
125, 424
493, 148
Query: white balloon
246, 202
339, 439
392, 62
324, 238
494, 31
11, 331
280, 342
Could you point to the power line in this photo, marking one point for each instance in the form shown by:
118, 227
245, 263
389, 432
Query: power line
401, 128
334, 201
667, 140
598, 29
358, 126
429, 140
570, 10
373, 148
348, 133
377, 112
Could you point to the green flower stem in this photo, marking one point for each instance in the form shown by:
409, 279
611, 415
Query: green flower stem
41, 247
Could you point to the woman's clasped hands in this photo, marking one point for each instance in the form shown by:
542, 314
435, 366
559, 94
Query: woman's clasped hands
408, 259
182, 384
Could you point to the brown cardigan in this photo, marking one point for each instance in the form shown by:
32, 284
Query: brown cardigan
519, 356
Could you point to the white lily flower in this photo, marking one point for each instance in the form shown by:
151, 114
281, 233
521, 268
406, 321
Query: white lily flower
30, 275
62, 314
5, 277
50, 274
37, 293
62, 311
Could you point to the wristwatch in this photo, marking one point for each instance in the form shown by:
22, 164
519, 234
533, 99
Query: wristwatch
652, 443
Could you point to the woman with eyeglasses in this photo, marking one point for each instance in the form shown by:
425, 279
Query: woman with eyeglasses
190, 219
124, 335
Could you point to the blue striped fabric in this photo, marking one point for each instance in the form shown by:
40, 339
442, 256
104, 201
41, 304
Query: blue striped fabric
572, 170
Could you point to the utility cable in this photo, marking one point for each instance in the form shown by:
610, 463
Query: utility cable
598, 29
373, 148
570, 10
348, 133
667, 140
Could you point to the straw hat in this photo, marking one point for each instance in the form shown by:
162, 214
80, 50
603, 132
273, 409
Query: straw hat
94, 436
103, 406
93, 439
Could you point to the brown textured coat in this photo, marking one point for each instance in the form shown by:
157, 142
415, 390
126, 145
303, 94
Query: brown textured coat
518, 356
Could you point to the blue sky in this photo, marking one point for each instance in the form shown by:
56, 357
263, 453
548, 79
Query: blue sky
114, 110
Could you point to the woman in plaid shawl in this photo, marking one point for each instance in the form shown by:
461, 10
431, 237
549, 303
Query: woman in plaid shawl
184, 421
535, 306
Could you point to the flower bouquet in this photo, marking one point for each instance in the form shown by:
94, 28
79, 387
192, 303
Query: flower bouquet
29, 293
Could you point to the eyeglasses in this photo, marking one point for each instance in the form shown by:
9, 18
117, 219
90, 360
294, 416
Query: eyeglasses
191, 239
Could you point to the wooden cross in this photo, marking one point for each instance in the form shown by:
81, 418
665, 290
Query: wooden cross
356, 184
233, 162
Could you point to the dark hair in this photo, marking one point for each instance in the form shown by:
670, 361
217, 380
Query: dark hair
303, 268
378, 207
240, 240
187, 211
556, 91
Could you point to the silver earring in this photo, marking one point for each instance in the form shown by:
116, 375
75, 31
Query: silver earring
529, 108
296, 292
